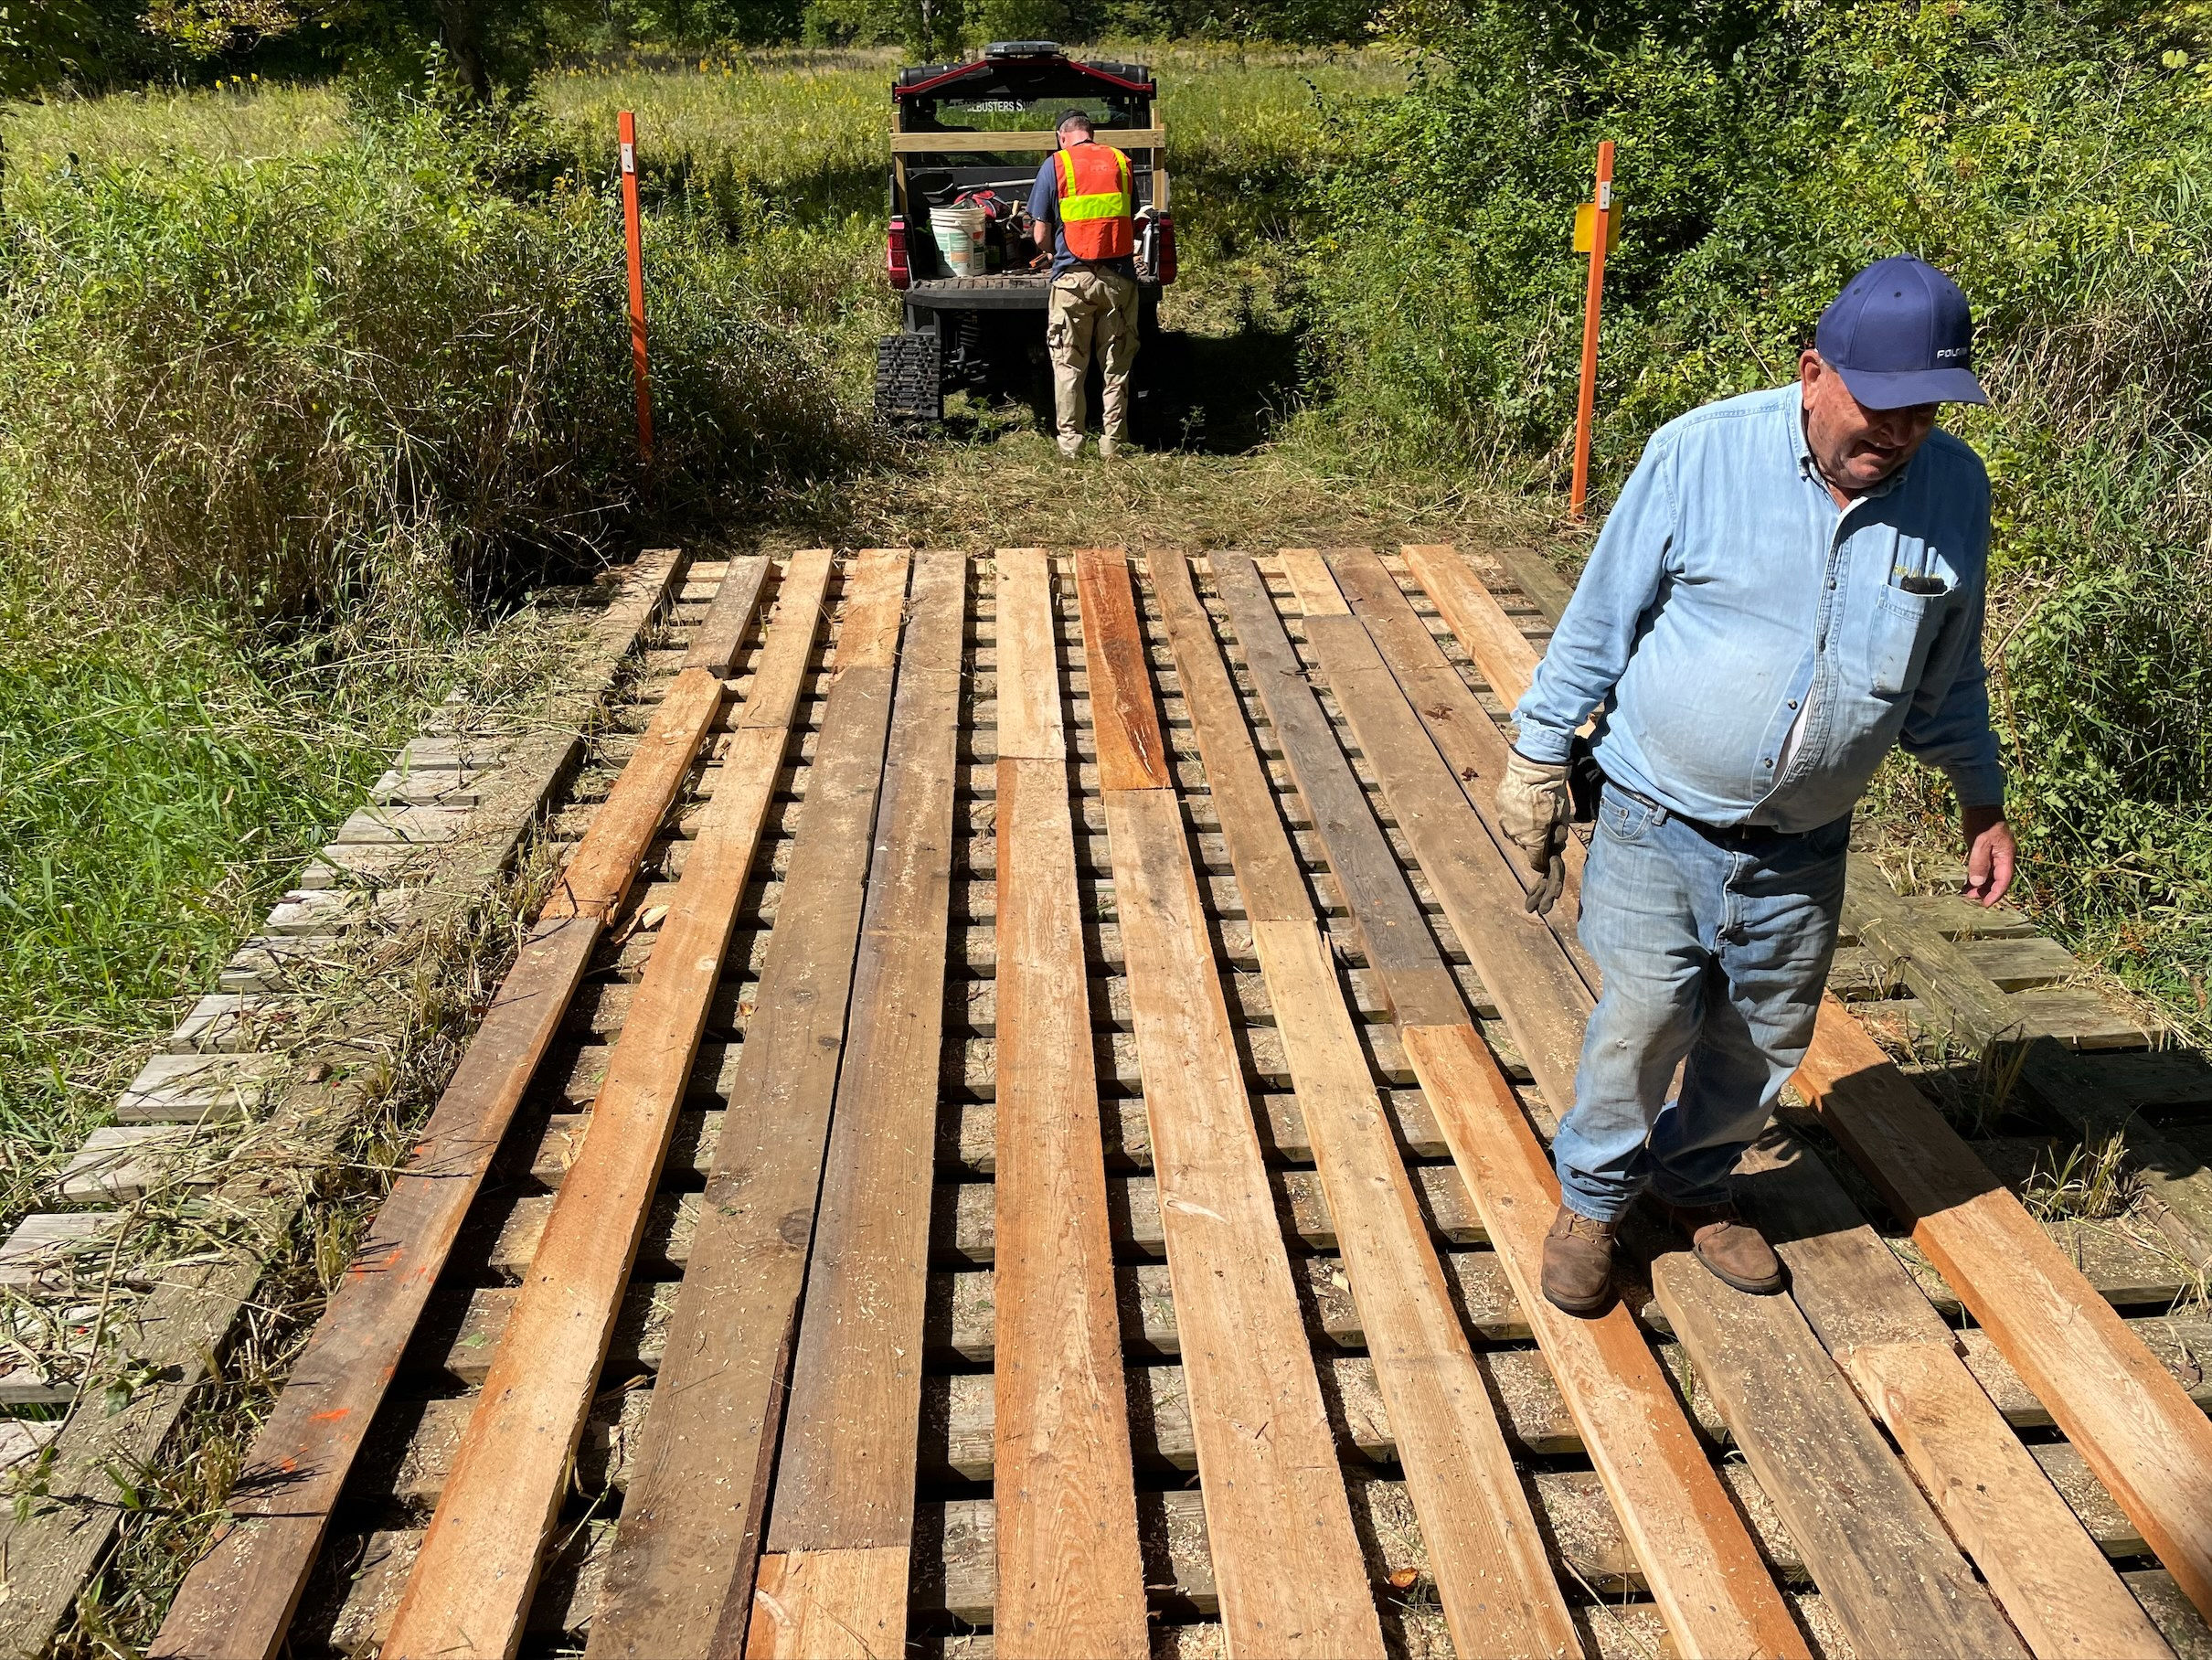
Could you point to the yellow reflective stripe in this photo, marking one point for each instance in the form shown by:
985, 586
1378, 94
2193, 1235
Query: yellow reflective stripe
1102, 204
1112, 206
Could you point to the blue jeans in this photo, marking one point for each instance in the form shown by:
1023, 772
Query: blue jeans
1714, 947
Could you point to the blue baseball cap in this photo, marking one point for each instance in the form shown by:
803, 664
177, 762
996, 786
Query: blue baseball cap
1901, 334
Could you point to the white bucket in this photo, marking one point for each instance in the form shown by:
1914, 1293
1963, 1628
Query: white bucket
960, 238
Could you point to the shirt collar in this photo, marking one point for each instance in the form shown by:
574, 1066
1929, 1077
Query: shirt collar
1809, 469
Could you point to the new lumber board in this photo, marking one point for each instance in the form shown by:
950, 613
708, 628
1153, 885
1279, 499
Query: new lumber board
1393, 930
680, 1580
238, 1598
2050, 1575
1492, 1574
1071, 1572
471, 1583
1458, 725
1703, 1569
1285, 1553
50, 1547
1892, 1574
1472, 876
1701, 1563
722, 632
843, 1507
2146, 1440
1500, 650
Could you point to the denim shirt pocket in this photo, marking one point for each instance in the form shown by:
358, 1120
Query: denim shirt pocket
1900, 632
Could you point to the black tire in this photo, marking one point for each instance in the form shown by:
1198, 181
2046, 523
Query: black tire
910, 380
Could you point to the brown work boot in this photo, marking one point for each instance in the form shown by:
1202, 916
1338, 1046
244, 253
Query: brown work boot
1578, 1262
1737, 1252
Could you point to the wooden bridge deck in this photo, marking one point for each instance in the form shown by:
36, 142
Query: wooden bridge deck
1033, 1146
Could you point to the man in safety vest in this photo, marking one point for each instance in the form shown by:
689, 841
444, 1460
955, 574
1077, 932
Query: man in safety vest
1083, 194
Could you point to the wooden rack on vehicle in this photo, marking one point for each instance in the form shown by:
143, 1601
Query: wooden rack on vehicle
1121, 138
1051, 1144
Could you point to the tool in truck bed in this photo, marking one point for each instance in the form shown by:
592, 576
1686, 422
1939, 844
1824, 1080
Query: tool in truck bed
966, 142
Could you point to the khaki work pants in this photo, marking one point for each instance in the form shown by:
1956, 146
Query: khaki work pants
1088, 309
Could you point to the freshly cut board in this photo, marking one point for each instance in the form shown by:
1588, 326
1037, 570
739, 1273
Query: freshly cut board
680, 1578
239, 1597
1285, 1555
834, 1579
1701, 1563
1070, 1575
471, 1585
1491, 1575
1891, 1574
2147, 1442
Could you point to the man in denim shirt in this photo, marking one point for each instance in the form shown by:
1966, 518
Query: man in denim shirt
1791, 582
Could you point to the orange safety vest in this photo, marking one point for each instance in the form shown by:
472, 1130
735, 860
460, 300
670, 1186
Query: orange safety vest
1094, 199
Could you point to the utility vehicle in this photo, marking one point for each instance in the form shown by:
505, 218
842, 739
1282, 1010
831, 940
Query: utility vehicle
966, 142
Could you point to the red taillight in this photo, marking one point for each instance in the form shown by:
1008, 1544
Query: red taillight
895, 255
1164, 249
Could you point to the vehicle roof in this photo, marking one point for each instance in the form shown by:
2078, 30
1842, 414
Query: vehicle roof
1027, 70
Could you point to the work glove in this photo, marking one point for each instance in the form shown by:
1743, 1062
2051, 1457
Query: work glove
1533, 810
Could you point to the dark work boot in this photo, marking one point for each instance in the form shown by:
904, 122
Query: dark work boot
1578, 1262
1737, 1252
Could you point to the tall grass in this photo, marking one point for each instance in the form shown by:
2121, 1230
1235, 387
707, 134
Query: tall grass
248, 120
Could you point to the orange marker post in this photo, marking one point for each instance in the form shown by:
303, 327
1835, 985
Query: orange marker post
1599, 216
626, 131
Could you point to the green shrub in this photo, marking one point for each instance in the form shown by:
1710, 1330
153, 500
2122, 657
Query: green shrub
361, 381
2050, 161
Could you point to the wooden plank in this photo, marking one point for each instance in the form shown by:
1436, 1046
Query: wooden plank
1393, 931
1500, 650
239, 1597
1072, 1576
1132, 752
1027, 675
805, 1605
680, 1580
844, 1508
994, 144
119, 1163
1874, 1546
2147, 1442
472, 1583
720, 635
1459, 727
1469, 874
1492, 1574
1284, 1550
2049, 1574
1713, 1591
1245, 804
